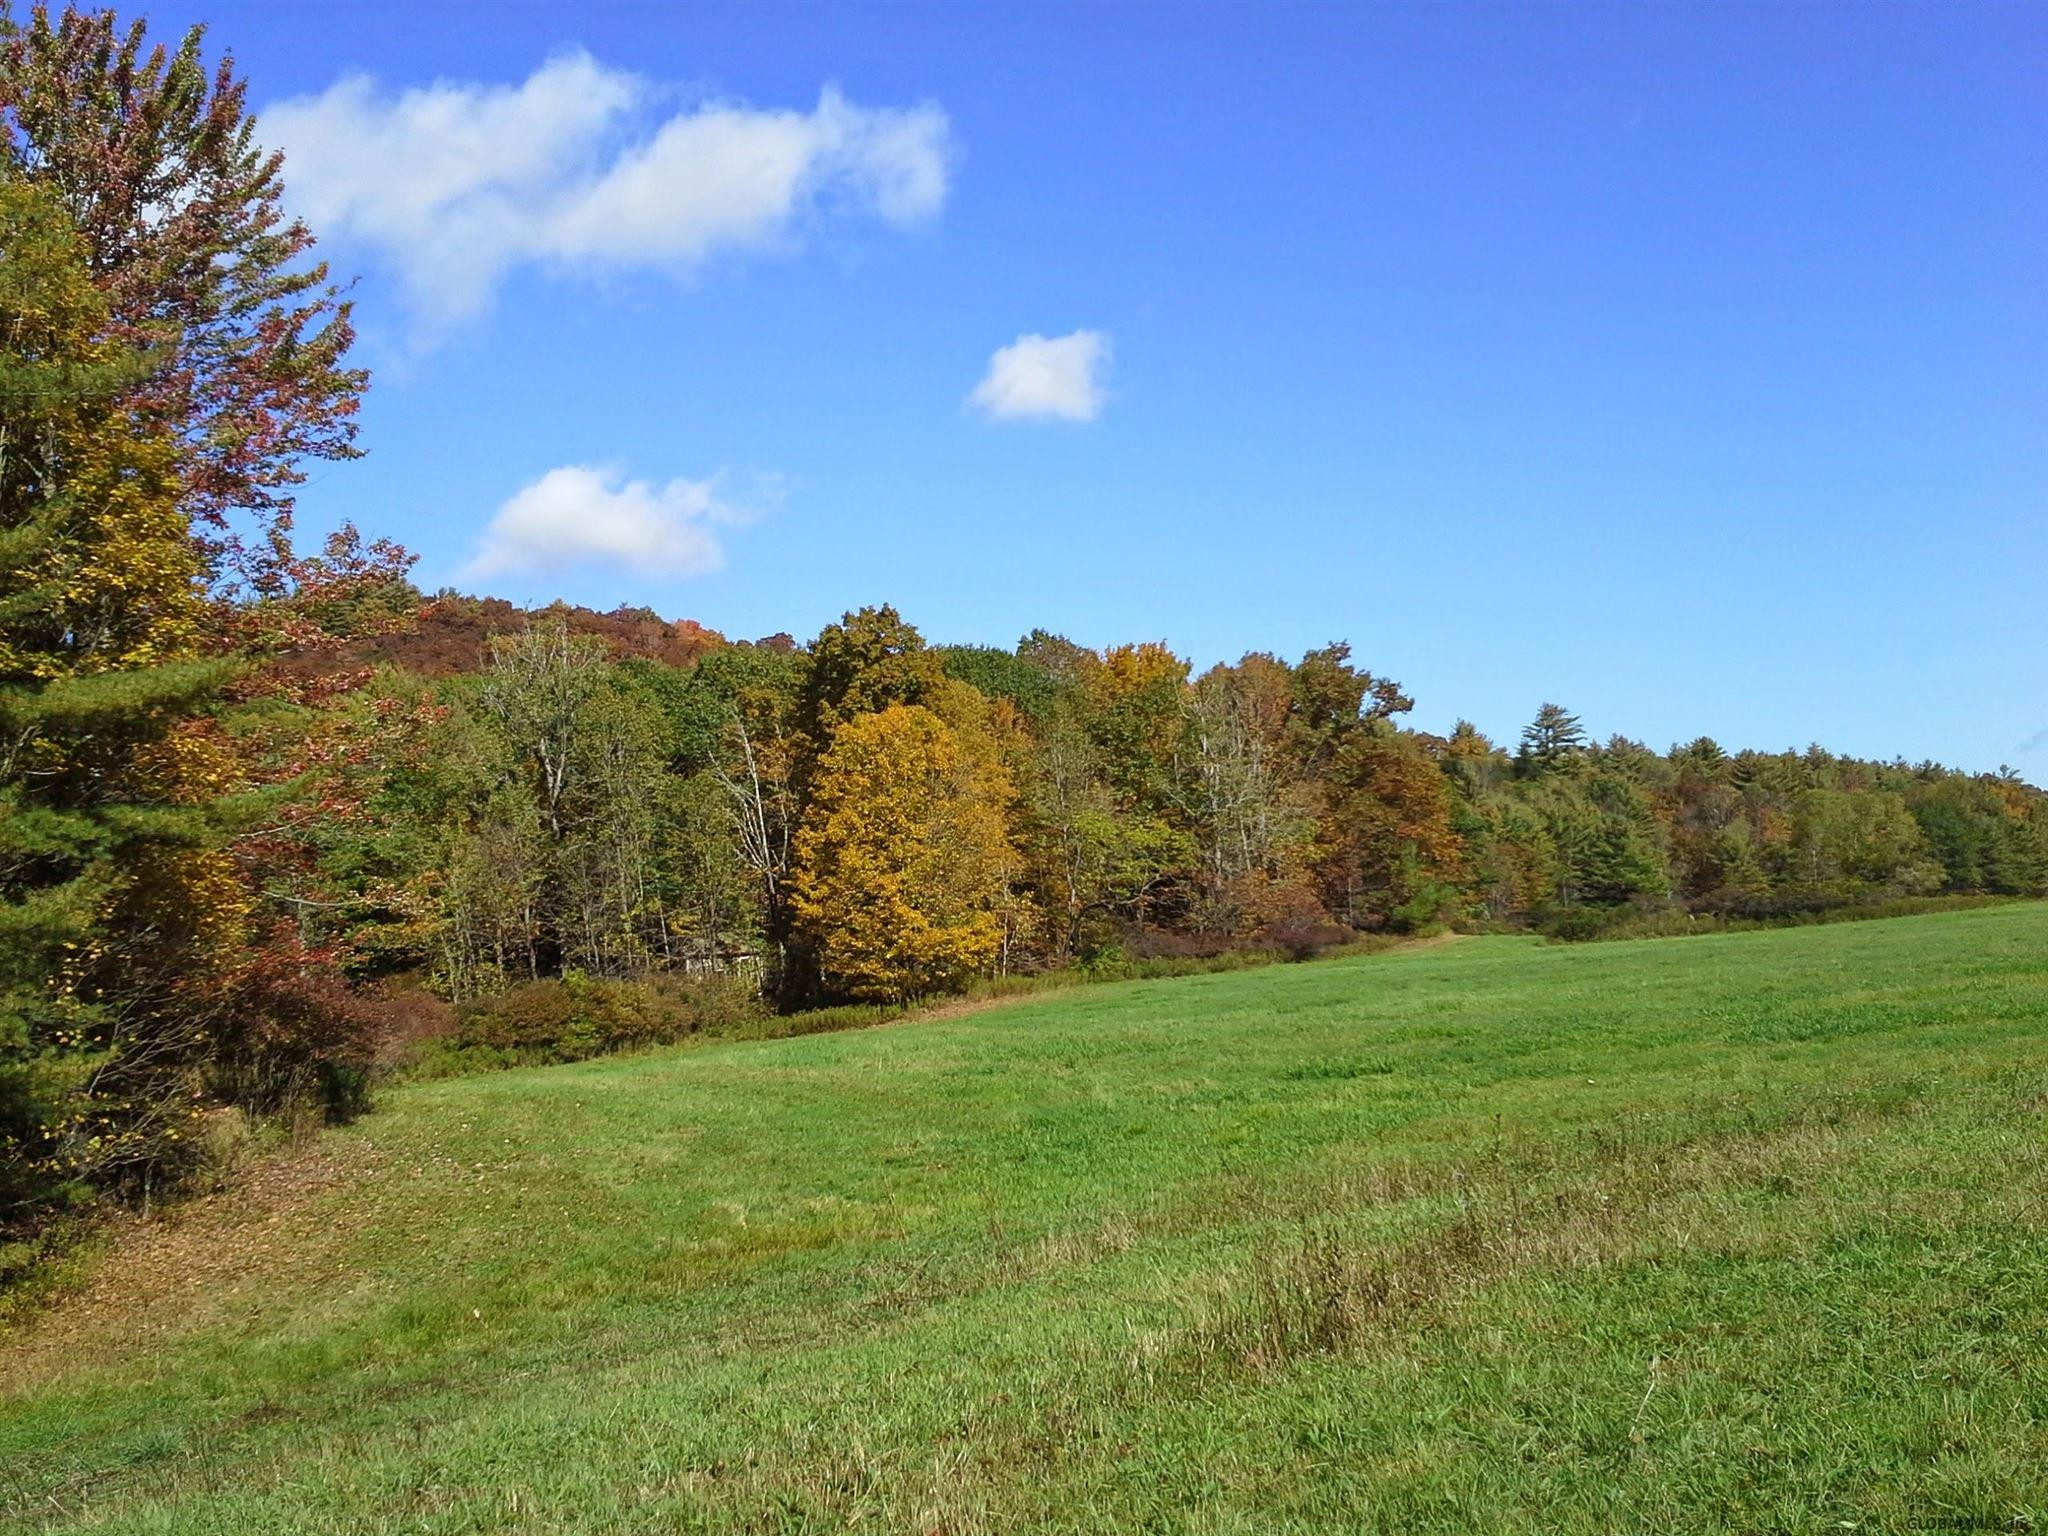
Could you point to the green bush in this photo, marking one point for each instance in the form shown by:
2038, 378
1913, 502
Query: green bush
1573, 925
580, 1016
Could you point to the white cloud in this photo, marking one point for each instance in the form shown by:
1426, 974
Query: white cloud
1045, 378
584, 514
456, 183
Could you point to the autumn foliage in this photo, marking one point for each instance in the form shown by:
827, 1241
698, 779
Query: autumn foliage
904, 860
150, 155
258, 804
170, 359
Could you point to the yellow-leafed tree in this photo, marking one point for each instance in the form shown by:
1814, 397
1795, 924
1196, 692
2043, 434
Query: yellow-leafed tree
903, 860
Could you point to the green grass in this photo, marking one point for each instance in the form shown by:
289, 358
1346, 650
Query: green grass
1739, 1233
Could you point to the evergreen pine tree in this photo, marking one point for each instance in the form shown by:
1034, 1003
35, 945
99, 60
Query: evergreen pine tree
107, 883
1552, 736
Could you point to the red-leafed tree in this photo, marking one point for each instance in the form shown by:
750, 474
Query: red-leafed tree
154, 159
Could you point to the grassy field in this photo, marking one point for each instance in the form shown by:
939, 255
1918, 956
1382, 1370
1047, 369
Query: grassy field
1738, 1233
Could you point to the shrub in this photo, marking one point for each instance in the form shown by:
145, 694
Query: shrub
1303, 937
407, 1020
1786, 909
1142, 944
581, 1016
292, 1037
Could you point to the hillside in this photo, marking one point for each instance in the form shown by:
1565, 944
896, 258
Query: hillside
451, 634
1731, 1233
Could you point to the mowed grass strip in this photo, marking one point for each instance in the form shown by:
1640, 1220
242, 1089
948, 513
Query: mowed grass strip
1742, 1233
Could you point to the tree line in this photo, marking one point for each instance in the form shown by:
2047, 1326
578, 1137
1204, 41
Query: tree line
868, 816
257, 809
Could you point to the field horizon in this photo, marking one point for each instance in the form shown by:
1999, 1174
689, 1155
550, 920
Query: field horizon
1735, 1232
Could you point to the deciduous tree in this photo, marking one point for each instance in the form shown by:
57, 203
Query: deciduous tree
154, 159
904, 857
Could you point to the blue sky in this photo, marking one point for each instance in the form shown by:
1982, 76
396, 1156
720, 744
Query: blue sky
1686, 365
